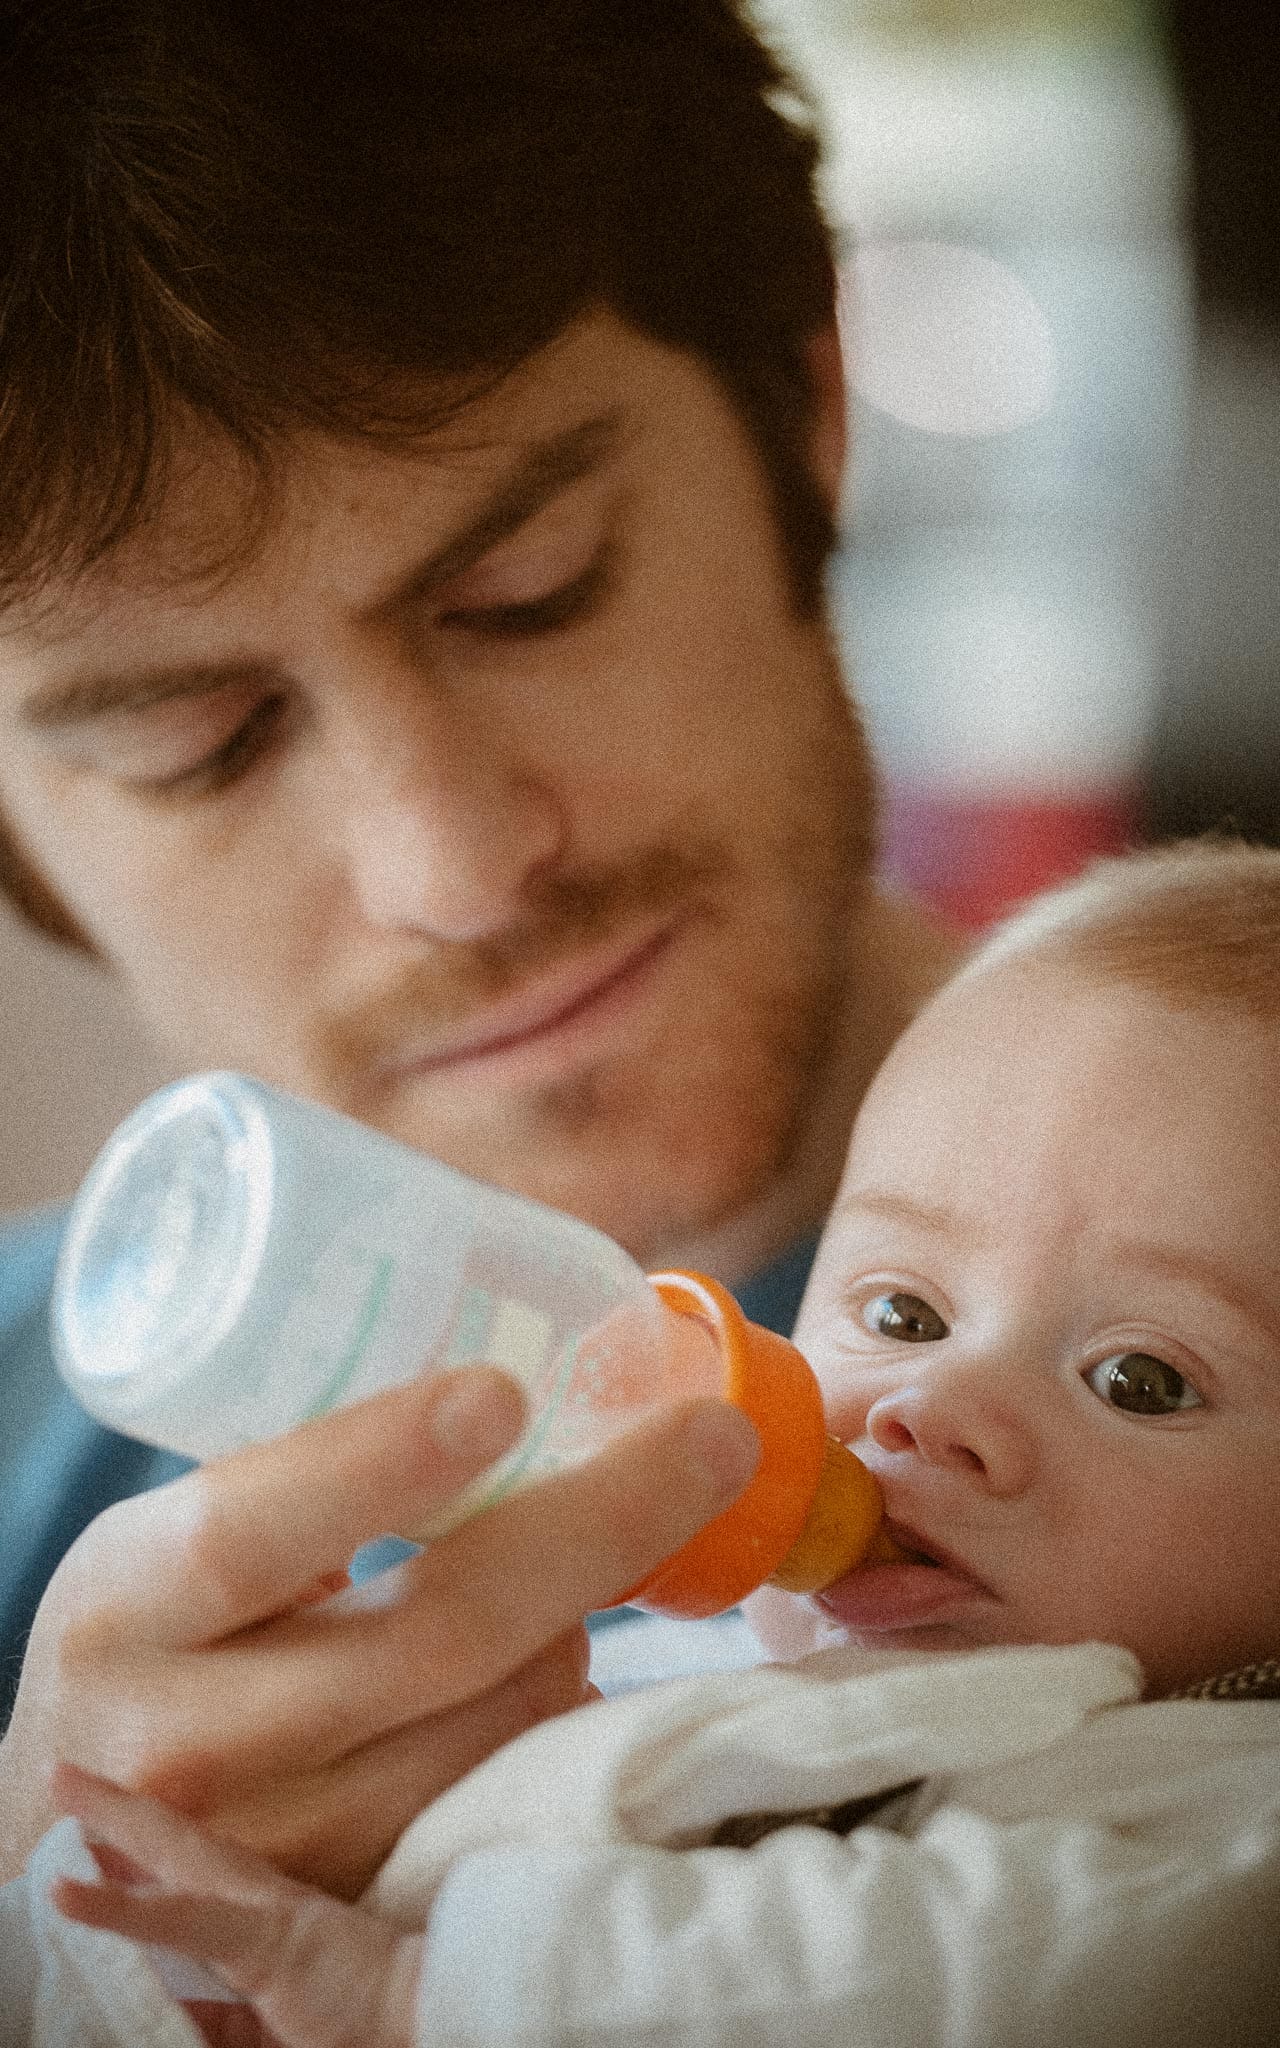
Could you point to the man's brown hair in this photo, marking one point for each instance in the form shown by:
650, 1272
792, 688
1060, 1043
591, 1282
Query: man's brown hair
271, 218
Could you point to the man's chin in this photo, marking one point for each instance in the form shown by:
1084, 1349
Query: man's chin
646, 1180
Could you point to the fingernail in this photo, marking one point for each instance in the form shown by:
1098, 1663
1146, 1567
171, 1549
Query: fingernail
722, 1441
478, 1414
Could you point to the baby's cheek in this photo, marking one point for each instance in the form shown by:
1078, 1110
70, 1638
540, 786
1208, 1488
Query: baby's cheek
787, 1625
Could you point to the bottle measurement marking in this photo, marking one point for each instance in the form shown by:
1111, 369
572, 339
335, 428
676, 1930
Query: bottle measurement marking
527, 1452
371, 1308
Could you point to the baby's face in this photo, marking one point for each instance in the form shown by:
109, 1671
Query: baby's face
1046, 1313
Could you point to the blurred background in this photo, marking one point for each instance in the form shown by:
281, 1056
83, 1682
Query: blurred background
1057, 588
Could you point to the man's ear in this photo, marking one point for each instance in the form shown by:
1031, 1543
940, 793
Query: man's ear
829, 424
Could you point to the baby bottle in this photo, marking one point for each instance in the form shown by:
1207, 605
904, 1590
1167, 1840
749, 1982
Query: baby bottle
239, 1261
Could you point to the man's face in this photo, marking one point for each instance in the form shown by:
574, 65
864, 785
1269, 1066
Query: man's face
499, 797
1046, 1313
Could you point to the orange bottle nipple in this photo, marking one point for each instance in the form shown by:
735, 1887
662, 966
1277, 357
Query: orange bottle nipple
812, 1511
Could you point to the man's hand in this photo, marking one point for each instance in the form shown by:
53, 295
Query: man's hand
172, 1655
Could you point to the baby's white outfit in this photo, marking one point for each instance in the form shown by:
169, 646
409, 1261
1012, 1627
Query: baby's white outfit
1056, 1863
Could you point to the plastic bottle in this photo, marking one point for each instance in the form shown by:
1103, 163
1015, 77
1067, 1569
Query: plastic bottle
239, 1261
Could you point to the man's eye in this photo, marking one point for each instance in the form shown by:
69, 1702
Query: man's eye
228, 761
564, 606
906, 1317
1142, 1385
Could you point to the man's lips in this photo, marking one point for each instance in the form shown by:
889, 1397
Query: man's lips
891, 1596
555, 1001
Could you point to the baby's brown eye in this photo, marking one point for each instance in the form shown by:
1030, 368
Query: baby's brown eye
1142, 1385
904, 1316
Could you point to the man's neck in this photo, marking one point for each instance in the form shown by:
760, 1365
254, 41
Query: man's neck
899, 956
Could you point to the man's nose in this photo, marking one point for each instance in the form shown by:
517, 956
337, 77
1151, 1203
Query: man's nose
959, 1419
445, 820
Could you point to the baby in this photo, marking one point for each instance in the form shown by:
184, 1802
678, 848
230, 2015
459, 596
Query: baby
1024, 1788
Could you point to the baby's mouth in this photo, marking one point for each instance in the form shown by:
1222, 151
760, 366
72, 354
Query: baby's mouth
913, 1550
915, 1591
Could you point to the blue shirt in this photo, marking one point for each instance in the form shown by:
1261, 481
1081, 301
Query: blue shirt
58, 1468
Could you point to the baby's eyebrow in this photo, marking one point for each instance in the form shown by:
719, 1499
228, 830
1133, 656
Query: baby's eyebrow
1226, 1282
897, 1206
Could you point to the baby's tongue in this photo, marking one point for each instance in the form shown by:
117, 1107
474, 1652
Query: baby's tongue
886, 1596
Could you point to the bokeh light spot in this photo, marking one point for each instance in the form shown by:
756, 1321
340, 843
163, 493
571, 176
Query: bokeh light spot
946, 338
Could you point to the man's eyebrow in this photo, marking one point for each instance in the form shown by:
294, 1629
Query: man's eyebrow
80, 699
546, 467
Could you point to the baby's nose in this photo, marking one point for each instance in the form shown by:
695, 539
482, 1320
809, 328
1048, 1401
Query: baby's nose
955, 1429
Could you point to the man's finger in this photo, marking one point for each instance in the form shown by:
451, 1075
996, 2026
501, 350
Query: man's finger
337, 1826
247, 1536
323, 1683
510, 1580
475, 1606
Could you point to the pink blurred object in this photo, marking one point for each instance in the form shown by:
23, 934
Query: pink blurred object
974, 856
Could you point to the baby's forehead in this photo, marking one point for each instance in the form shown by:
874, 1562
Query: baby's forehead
1054, 1003
1038, 1052
1035, 1002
